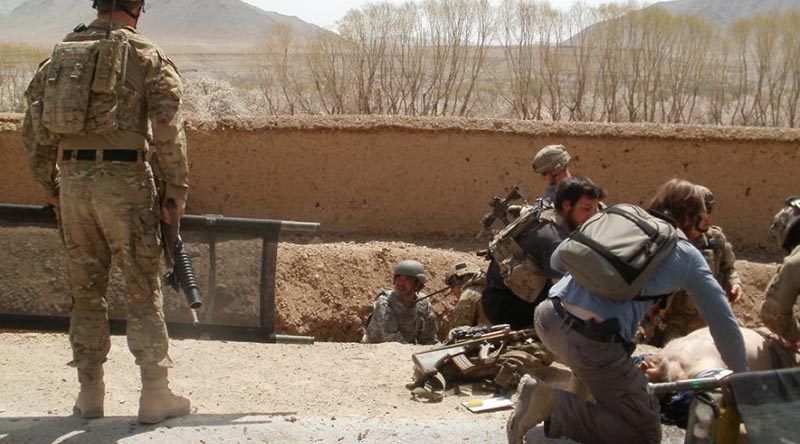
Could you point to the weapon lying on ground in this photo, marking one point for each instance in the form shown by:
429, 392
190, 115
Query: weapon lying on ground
498, 355
464, 333
500, 207
182, 275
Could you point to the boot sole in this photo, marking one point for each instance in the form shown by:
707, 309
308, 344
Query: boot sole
157, 419
525, 394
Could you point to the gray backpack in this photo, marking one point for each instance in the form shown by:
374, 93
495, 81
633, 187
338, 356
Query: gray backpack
616, 251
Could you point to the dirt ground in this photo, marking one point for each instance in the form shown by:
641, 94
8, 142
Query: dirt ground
324, 285
329, 392
244, 392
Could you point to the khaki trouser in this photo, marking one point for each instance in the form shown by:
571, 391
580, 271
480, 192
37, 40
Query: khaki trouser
623, 411
112, 209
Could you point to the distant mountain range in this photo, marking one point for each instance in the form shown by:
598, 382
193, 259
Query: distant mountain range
183, 22
237, 24
6, 6
724, 12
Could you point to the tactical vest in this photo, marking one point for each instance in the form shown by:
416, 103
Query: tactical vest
85, 87
410, 329
521, 272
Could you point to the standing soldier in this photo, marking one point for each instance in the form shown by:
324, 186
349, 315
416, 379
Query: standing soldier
681, 316
783, 290
86, 133
466, 281
403, 315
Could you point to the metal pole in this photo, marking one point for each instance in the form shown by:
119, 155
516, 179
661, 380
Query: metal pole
212, 279
269, 262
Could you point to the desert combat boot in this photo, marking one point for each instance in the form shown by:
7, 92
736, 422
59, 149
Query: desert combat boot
157, 402
93, 390
534, 405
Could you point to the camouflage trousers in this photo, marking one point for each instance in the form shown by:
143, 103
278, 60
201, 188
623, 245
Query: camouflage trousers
112, 209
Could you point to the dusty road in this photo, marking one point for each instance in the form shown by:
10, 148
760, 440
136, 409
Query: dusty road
242, 392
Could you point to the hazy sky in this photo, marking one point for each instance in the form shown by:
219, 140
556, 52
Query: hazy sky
326, 12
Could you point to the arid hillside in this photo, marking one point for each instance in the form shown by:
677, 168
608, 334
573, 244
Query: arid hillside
226, 23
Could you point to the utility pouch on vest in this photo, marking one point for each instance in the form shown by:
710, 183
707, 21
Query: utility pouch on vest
519, 270
81, 88
111, 55
67, 88
42, 135
523, 277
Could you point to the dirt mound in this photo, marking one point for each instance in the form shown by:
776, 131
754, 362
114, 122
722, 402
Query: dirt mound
324, 288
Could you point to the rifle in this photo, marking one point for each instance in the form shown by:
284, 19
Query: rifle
182, 275
464, 333
427, 296
428, 362
500, 207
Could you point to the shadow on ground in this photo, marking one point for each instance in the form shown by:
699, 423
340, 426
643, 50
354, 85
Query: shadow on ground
73, 429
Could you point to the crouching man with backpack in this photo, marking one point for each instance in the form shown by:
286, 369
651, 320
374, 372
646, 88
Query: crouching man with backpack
619, 262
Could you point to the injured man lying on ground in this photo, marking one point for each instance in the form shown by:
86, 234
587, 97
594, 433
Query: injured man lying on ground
695, 356
689, 356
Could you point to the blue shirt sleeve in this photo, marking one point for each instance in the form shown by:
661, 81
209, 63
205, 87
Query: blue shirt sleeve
709, 298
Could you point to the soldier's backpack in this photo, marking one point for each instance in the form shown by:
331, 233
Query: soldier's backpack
521, 272
80, 94
616, 251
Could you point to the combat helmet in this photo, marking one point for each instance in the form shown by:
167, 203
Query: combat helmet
708, 198
785, 222
411, 268
127, 6
551, 159
460, 273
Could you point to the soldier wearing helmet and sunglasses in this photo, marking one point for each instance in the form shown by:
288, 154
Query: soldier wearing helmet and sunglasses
103, 114
403, 315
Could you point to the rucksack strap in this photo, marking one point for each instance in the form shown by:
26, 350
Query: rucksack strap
628, 272
625, 270
651, 232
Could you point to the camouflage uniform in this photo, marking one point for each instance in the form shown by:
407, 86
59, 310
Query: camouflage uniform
681, 316
393, 321
782, 293
112, 208
468, 310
